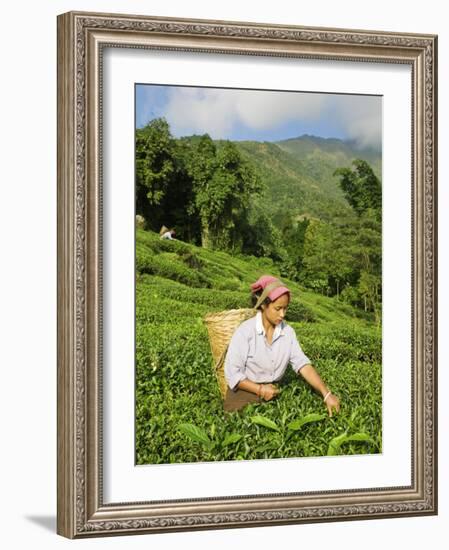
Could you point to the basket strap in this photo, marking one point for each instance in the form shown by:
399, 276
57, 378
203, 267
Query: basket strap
221, 359
267, 290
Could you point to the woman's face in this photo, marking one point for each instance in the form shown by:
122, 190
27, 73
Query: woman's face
275, 311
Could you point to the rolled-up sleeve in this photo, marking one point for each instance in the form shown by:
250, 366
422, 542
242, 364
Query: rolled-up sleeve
298, 359
234, 368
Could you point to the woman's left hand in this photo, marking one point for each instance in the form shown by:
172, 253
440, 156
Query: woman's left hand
332, 403
313, 378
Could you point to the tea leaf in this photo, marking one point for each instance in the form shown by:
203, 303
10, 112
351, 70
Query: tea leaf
337, 442
231, 438
298, 424
263, 421
195, 433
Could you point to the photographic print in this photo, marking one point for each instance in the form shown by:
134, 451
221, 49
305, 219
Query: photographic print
233, 326
258, 274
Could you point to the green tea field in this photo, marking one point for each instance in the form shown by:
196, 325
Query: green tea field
179, 412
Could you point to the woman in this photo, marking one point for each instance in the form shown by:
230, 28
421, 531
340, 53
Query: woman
261, 349
170, 235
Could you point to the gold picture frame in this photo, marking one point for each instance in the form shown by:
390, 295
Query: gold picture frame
82, 38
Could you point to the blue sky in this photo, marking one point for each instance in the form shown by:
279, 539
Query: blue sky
261, 115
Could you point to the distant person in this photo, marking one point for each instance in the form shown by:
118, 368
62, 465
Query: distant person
261, 349
170, 235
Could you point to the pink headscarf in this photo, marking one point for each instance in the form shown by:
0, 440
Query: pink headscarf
264, 281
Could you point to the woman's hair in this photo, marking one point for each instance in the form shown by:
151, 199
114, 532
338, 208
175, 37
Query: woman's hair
272, 288
255, 296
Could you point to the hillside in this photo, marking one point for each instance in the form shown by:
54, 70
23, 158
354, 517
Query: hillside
179, 414
299, 173
256, 198
219, 280
288, 184
320, 158
334, 152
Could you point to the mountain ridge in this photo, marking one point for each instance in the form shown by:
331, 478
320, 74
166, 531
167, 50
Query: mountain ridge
299, 173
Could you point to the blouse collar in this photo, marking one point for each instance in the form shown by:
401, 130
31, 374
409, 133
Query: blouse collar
278, 331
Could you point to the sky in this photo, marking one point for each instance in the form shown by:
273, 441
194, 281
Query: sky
261, 115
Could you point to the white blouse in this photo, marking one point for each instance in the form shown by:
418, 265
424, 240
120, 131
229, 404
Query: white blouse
251, 357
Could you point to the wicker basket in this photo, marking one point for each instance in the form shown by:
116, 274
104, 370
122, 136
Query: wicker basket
221, 326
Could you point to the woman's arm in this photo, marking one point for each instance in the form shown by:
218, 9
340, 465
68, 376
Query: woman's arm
234, 368
265, 391
311, 376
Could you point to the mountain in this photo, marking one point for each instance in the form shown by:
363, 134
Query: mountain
324, 155
298, 174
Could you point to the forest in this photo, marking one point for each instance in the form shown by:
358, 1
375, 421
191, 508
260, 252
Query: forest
311, 205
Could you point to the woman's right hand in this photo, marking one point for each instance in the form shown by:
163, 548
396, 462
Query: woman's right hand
268, 391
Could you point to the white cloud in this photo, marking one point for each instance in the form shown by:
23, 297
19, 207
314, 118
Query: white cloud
195, 110
361, 116
218, 112
259, 110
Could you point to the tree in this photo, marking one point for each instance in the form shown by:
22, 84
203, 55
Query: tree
361, 187
261, 237
370, 259
155, 170
328, 261
223, 183
363, 191
293, 230
369, 289
317, 243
